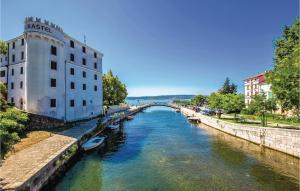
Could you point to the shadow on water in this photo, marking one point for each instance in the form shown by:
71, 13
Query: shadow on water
121, 147
87, 173
160, 150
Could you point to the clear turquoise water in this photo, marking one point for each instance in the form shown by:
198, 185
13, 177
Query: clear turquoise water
160, 150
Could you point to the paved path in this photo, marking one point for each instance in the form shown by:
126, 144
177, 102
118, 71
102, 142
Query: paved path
19, 167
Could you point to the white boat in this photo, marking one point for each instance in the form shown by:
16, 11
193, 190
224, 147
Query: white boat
193, 119
129, 117
93, 143
114, 127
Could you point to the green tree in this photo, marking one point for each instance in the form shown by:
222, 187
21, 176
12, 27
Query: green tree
3, 103
271, 104
199, 100
228, 88
285, 77
3, 47
260, 106
215, 101
114, 91
233, 103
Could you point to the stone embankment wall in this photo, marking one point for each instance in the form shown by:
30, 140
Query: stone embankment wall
284, 140
42, 122
50, 169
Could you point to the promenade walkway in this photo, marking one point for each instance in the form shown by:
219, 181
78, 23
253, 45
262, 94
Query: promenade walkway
23, 165
19, 167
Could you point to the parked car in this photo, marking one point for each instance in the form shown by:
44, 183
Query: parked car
207, 112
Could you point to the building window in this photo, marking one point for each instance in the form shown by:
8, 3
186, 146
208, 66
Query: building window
53, 65
72, 103
83, 102
83, 61
53, 82
83, 74
12, 85
21, 84
72, 71
2, 73
95, 88
52, 102
72, 85
12, 100
12, 71
95, 76
95, 55
14, 45
95, 65
22, 42
83, 86
21, 70
13, 58
71, 43
21, 103
83, 49
53, 50
72, 57
22, 55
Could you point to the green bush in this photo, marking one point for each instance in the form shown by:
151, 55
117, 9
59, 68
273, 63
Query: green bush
13, 120
248, 111
7, 140
295, 119
12, 125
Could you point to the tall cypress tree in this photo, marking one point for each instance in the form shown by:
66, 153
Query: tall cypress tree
228, 88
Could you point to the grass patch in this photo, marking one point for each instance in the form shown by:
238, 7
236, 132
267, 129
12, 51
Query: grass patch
270, 119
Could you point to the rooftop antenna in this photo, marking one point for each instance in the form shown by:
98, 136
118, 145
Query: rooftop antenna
84, 39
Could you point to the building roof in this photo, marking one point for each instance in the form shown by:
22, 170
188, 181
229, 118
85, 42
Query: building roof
260, 76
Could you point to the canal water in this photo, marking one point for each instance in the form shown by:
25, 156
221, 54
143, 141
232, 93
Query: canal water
160, 150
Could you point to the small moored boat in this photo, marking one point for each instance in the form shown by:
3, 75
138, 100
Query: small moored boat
93, 143
196, 119
114, 127
129, 117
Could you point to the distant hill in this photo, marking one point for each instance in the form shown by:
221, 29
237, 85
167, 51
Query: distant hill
161, 97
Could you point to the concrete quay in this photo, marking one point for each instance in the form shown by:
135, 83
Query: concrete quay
31, 168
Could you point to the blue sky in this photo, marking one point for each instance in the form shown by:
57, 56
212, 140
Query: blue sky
167, 46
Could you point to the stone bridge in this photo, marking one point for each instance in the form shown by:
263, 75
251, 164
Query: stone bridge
166, 104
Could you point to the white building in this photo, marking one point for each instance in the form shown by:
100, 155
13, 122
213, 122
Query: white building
255, 85
52, 74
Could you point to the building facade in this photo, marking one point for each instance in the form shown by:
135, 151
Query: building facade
49, 73
255, 85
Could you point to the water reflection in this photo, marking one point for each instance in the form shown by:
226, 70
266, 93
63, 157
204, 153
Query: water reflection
160, 150
280, 162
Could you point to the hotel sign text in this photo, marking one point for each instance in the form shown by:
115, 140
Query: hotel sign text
33, 26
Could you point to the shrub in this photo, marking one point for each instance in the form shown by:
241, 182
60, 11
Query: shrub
12, 125
7, 140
